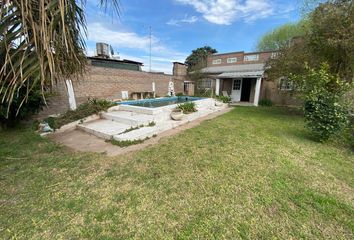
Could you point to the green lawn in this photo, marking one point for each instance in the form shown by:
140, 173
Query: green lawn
251, 173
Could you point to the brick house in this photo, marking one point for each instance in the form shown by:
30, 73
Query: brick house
242, 76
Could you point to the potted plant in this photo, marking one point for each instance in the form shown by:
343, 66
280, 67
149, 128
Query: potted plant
177, 114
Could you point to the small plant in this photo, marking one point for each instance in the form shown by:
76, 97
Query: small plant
187, 107
265, 102
179, 94
151, 124
130, 129
127, 143
92, 106
224, 99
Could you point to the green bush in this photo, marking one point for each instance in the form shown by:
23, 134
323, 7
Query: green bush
325, 106
33, 105
187, 107
265, 102
224, 99
92, 106
180, 94
325, 116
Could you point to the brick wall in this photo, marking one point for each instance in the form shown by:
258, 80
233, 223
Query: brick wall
108, 83
263, 57
270, 90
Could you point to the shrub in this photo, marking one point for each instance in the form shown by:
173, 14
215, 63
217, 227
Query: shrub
325, 107
265, 102
224, 99
187, 107
33, 105
325, 116
180, 94
92, 106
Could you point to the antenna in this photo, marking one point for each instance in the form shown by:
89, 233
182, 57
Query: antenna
150, 50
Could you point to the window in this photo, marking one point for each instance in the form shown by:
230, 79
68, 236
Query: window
204, 84
286, 85
217, 61
188, 87
232, 60
274, 55
237, 84
249, 58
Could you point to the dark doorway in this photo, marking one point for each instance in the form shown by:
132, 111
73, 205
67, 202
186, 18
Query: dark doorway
246, 90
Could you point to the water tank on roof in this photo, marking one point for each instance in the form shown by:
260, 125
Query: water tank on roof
103, 50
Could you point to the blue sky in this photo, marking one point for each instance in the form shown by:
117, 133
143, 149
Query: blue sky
179, 26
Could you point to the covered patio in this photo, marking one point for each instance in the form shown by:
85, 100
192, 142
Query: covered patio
241, 82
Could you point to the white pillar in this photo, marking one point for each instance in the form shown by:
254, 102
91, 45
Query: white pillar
217, 87
257, 91
153, 89
71, 94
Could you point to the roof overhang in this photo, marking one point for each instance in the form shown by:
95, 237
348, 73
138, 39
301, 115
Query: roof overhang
245, 74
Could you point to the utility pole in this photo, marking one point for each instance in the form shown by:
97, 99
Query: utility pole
150, 50
153, 82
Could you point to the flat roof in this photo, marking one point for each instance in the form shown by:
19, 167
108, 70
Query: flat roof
115, 60
180, 63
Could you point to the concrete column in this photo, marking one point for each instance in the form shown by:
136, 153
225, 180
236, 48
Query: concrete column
257, 91
217, 87
154, 89
71, 94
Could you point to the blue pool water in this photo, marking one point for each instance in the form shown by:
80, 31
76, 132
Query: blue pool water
159, 102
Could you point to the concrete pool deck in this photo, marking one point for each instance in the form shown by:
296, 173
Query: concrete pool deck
82, 141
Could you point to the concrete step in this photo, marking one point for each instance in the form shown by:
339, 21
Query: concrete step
130, 118
138, 134
104, 128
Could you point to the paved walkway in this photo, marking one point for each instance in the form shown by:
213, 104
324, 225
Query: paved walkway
78, 140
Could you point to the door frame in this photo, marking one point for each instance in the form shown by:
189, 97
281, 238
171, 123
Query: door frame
246, 89
236, 93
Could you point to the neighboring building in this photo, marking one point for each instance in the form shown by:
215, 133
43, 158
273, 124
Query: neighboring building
115, 63
242, 76
180, 72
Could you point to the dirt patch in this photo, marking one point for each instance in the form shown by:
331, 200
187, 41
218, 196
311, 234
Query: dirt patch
78, 140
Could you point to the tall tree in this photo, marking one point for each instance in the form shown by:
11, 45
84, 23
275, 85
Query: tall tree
329, 39
198, 58
321, 64
42, 42
281, 37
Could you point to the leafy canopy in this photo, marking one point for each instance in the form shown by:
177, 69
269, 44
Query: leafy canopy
329, 38
281, 37
198, 58
321, 66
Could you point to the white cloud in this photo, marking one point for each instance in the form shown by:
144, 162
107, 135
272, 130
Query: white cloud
186, 19
224, 12
162, 56
98, 33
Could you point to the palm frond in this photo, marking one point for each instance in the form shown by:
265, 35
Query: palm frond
42, 42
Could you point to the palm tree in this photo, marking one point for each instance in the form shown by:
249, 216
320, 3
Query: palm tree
41, 42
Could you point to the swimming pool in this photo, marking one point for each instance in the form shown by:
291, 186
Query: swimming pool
160, 102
